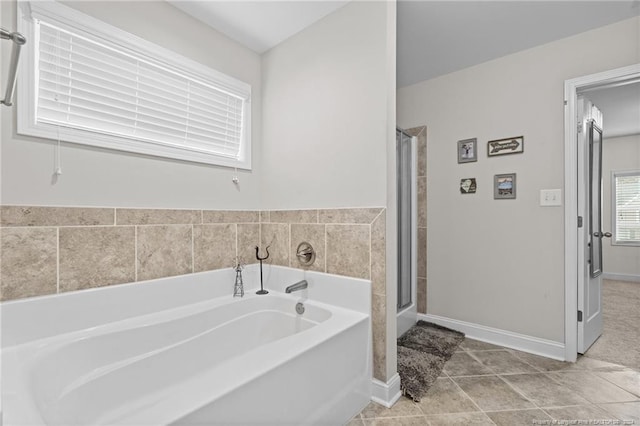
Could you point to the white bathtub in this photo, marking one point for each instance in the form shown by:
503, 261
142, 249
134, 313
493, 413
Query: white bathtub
181, 350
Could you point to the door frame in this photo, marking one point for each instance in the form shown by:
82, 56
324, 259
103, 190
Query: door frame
572, 276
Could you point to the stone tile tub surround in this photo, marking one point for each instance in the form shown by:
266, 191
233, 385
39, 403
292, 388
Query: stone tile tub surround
48, 250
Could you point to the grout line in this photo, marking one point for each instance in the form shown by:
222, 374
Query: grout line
115, 216
544, 410
521, 373
466, 394
326, 254
289, 247
613, 383
473, 356
183, 223
470, 375
371, 256
193, 253
602, 406
57, 260
519, 392
348, 224
135, 254
323, 223
555, 407
345, 223
506, 410
500, 410
368, 420
596, 405
384, 209
60, 226
557, 381
540, 370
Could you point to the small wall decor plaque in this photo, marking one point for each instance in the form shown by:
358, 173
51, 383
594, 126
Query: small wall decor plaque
468, 186
504, 186
467, 150
505, 146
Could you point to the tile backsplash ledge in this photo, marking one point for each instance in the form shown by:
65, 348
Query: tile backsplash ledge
48, 250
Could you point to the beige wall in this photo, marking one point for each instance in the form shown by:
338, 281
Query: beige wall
500, 263
618, 154
96, 177
325, 112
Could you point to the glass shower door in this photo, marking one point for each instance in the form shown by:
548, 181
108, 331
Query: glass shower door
404, 188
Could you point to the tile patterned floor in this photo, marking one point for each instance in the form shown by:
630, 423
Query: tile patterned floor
484, 384
621, 316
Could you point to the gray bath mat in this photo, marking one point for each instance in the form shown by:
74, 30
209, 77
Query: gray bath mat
422, 352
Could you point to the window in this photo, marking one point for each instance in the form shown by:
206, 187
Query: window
626, 208
90, 83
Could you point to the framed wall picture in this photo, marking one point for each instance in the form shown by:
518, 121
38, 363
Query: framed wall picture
504, 186
467, 150
468, 186
505, 146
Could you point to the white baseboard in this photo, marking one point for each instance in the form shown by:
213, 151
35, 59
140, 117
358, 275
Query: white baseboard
621, 277
496, 336
386, 393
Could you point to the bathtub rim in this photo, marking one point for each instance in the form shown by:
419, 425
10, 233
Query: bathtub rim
97, 304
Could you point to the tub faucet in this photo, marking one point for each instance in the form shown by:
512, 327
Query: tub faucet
297, 286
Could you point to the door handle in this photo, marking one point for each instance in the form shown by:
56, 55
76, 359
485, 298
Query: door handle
604, 234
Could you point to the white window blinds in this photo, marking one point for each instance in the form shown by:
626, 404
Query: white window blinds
121, 92
627, 207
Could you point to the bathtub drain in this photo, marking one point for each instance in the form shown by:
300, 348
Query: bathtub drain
300, 308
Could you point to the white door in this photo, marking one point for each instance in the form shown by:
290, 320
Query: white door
590, 234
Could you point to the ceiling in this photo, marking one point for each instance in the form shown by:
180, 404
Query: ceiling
258, 24
434, 37
438, 37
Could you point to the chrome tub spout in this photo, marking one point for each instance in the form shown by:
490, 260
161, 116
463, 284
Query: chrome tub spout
300, 285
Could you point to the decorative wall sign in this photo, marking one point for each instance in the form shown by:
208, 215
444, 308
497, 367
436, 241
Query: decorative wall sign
468, 186
504, 186
467, 150
505, 146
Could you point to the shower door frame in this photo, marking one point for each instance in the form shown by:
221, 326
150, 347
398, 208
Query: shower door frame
407, 316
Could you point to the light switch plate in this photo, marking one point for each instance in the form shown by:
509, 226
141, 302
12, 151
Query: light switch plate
550, 197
